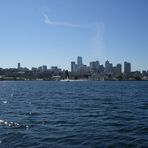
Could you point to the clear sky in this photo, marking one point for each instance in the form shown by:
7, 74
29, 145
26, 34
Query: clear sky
55, 32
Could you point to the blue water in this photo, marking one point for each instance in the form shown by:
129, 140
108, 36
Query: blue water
43, 114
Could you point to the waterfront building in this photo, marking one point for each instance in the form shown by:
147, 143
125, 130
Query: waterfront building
80, 66
108, 67
19, 66
118, 69
55, 69
101, 69
79, 62
73, 67
144, 73
114, 70
44, 68
127, 68
94, 66
34, 69
40, 68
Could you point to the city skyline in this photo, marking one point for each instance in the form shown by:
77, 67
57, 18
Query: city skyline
107, 67
39, 32
79, 71
125, 66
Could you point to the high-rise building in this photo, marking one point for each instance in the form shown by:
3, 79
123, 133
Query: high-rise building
40, 68
34, 69
101, 68
144, 73
79, 62
108, 67
73, 67
118, 68
127, 68
19, 66
44, 68
94, 66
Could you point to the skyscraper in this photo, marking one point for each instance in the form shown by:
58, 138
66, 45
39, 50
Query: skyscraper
94, 66
108, 67
79, 62
73, 67
44, 68
118, 68
127, 68
19, 66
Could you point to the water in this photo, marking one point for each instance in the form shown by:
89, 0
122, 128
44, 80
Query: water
42, 114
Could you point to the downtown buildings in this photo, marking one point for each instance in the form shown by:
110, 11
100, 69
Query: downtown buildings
79, 70
97, 71
127, 68
94, 67
78, 67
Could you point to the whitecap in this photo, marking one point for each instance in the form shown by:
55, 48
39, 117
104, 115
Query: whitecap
1, 121
5, 102
5, 122
9, 123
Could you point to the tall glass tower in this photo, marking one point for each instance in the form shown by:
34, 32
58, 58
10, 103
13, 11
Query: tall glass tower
18, 66
127, 67
79, 62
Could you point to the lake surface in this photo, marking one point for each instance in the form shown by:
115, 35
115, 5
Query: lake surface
43, 114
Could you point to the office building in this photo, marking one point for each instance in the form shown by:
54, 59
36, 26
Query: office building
94, 66
79, 62
55, 69
118, 69
73, 67
108, 67
44, 68
127, 68
19, 66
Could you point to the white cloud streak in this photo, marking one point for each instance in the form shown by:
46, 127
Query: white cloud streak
97, 43
64, 24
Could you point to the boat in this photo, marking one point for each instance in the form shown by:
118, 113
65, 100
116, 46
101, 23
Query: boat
71, 80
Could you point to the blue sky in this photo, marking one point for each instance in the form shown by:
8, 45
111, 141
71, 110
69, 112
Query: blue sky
55, 32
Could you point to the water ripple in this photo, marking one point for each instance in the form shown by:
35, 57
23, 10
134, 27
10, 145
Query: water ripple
83, 114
